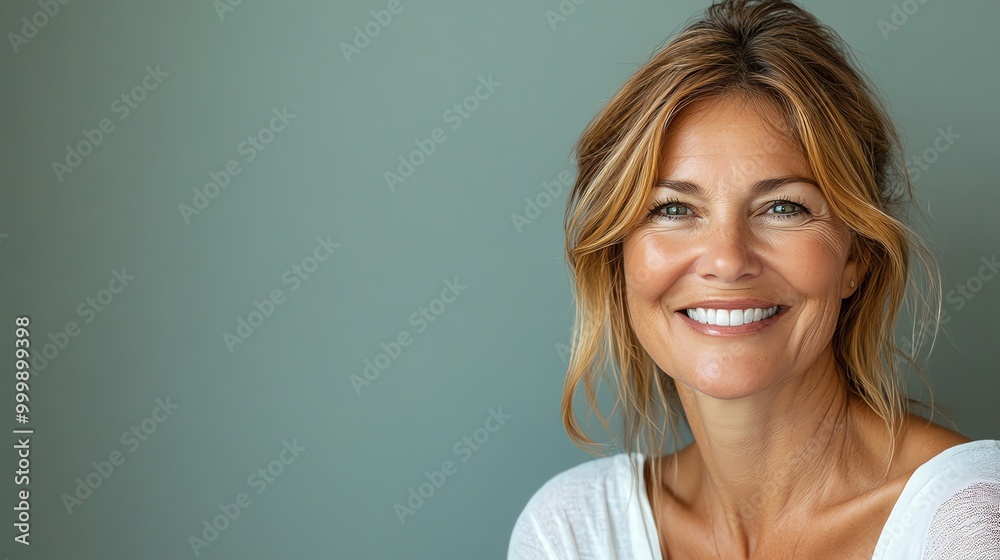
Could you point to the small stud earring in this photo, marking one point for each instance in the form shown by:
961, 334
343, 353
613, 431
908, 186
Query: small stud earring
852, 283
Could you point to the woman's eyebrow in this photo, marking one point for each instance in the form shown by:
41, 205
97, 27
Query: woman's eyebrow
759, 188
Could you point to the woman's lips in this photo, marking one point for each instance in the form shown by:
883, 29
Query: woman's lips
727, 320
731, 317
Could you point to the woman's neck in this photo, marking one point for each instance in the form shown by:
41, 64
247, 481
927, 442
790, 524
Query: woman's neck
771, 460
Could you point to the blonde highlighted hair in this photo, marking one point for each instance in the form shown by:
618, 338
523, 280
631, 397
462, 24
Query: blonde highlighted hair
769, 52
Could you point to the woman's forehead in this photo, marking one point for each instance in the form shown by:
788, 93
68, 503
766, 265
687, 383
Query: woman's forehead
730, 135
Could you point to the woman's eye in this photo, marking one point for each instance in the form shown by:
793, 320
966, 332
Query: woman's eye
675, 209
785, 208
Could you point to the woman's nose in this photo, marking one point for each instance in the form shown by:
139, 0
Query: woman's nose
728, 252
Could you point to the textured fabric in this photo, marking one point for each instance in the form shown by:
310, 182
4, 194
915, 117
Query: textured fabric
590, 511
949, 509
967, 525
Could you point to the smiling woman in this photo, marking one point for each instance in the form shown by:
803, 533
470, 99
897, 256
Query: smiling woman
737, 239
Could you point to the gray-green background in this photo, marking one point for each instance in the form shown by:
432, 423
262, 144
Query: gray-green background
495, 346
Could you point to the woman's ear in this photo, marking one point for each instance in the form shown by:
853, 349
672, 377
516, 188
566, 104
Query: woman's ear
854, 270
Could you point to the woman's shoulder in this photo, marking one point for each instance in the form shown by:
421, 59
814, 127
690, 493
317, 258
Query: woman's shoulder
587, 509
950, 504
967, 462
942, 463
929, 450
595, 480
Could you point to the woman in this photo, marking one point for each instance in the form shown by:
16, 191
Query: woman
736, 238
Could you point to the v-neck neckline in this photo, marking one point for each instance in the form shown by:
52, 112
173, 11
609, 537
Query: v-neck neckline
910, 489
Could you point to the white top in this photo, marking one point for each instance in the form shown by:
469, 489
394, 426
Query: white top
949, 508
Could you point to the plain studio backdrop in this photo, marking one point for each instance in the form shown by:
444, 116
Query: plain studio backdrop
294, 271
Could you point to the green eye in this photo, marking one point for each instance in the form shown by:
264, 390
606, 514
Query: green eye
783, 208
670, 210
675, 210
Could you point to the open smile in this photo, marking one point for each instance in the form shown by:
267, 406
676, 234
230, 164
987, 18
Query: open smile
731, 317
731, 322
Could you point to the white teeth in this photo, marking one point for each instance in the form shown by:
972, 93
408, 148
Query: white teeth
722, 317
736, 317
730, 318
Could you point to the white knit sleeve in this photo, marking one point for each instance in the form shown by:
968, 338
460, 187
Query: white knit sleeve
588, 512
966, 526
533, 537
554, 523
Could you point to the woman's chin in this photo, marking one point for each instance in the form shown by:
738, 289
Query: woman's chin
728, 383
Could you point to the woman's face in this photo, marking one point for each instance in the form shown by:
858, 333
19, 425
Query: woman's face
737, 224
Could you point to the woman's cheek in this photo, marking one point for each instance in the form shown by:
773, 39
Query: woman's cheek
820, 245
819, 236
652, 264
